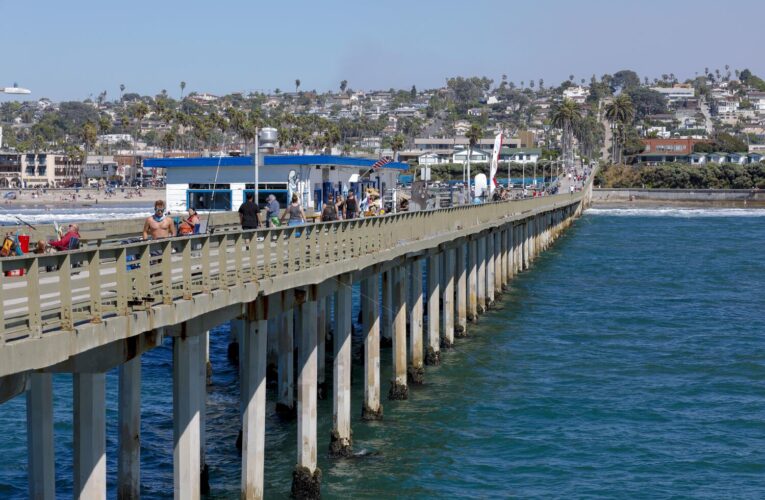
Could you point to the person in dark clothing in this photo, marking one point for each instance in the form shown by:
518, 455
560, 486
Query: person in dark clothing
248, 213
329, 212
351, 206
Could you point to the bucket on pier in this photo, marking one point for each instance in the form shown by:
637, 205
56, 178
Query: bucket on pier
24, 242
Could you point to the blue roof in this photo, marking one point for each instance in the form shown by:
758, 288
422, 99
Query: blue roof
246, 161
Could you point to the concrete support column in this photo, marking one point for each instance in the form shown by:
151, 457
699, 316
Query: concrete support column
202, 385
481, 288
42, 464
526, 243
186, 413
90, 436
416, 370
448, 298
490, 268
498, 260
253, 385
386, 329
285, 402
517, 249
129, 460
433, 356
461, 325
340, 444
472, 281
306, 478
509, 271
372, 409
398, 386
504, 249
321, 340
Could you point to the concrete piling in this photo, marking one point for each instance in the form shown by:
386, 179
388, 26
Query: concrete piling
90, 436
186, 413
285, 403
386, 327
372, 408
433, 355
398, 384
447, 314
41, 461
321, 339
129, 459
490, 263
416, 370
472, 280
460, 327
306, 478
341, 441
253, 385
481, 285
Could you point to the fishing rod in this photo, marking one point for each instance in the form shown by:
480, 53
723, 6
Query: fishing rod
25, 223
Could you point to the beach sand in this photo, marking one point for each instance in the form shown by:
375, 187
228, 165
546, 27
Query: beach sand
85, 197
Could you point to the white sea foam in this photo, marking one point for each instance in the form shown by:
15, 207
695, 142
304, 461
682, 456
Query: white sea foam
82, 214
677, 212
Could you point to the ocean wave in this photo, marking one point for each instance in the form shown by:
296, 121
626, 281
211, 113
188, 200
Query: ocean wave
680, 212
42, 216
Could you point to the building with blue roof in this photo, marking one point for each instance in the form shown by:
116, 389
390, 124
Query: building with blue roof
221, 183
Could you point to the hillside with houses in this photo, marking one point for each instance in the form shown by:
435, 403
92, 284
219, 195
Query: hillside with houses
716, 117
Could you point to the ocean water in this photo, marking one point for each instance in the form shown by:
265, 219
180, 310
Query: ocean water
629, 362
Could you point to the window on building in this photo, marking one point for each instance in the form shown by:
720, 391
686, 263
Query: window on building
208, 199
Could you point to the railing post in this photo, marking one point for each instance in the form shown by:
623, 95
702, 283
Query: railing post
223, 261
33, 299
186, 264
206, 264
94, 278
65, 296
167, 272
121, 273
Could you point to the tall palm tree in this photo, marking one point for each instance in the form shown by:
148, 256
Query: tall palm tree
474, 135
297, 84
397, 144
563, 116
183, 87
620, 112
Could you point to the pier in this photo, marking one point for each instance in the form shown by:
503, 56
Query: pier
424, 278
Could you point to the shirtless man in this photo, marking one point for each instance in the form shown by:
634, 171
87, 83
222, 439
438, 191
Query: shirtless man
158, 226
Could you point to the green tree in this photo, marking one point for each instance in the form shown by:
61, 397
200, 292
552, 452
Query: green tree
183, 87
620, 112
343, 86
564, 116
397, 144
297, 84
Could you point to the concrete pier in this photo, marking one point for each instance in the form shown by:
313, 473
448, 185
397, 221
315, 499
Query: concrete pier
372, 408
42, 474
90, 435
276, 289
341, 442
416, 369
433, 355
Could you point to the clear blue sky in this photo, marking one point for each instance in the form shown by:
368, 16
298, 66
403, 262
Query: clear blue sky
71, 49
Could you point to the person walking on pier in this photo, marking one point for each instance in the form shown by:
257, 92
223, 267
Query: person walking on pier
329, 212
351, 206
295, 213
248, 213
272, 211
157, 225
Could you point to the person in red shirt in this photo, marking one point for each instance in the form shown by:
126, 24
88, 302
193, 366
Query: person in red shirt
65, 241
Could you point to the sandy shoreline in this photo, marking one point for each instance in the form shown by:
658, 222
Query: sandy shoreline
84, 198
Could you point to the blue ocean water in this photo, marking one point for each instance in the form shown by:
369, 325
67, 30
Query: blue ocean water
628, 362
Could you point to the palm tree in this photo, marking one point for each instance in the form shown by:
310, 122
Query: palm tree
122, 89
343, 86
563, 116
397, 144
297, 84
183, 87
474, 135
620, 112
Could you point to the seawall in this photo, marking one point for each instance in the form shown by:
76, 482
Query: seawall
717, 197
